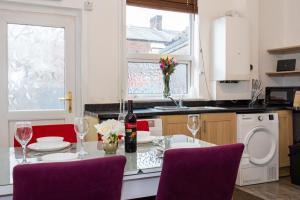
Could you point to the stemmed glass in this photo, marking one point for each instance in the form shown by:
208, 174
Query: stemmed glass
121, 119
122, 114
193, 124
81, 127
23, 134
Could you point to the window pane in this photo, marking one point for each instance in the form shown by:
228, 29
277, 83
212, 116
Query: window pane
36, 65
146, 79
157, 32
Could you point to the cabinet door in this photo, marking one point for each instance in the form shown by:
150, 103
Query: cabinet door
175, 124
219, 128
285, 136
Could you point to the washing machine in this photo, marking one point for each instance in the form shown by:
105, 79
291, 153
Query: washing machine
260, 160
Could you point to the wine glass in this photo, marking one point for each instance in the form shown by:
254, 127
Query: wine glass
121, 119
193, 124
23, 134
81, 127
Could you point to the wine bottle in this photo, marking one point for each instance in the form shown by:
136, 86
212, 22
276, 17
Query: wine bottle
130, 129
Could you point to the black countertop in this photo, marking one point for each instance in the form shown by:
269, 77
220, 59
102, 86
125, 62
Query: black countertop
108, 111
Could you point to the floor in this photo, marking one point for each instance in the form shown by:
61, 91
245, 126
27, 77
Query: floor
280, 190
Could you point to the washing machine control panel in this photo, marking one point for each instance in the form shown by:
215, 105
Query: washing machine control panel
260, 118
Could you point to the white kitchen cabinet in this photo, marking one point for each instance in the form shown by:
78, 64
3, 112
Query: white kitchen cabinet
230, 49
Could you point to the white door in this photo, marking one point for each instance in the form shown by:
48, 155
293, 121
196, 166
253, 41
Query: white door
37, 68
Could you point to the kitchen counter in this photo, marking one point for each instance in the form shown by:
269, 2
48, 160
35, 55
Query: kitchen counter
152, 112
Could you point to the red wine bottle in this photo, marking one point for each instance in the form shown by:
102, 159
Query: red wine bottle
130, 129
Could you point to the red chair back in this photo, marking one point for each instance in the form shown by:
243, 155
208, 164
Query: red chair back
63, 130
142, 125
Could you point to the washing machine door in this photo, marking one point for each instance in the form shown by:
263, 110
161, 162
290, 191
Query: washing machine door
260, 145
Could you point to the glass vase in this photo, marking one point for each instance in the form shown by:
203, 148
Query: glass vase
166, 80
110, 148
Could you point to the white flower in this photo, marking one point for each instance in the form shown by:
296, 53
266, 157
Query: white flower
109, 127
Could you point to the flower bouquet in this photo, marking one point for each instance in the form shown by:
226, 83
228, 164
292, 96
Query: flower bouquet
167, 66
111, 131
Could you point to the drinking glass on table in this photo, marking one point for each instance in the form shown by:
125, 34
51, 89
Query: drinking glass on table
81, 127
122, 114
121, 119
193, 124
23, 134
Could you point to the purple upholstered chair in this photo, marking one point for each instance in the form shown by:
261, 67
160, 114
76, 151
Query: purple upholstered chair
200, 173
77, 180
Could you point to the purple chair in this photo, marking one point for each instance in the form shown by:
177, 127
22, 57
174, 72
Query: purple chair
99, 178
200, 173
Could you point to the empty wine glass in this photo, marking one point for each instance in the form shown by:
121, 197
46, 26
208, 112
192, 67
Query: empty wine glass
81, 127
121, 119
193, 124
23, 134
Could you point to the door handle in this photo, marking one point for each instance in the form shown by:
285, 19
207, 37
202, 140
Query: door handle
69, 99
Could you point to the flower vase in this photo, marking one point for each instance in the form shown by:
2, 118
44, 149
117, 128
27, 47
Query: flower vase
166, 80
110, 148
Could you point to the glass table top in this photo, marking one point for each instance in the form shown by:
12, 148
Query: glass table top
147, 159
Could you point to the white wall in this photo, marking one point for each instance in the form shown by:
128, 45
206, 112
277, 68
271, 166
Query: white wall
103, 42
103, 39
100, 46
279, 27
212, 9
273, 23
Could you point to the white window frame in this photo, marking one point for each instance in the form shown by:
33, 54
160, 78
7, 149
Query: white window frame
154, 58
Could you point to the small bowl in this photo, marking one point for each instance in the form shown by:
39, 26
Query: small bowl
52, 139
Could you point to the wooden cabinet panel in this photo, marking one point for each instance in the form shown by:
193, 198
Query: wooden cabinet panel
175, 124
285, 136
219, 128
92, 134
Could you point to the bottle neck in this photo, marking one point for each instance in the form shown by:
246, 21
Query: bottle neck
130, 109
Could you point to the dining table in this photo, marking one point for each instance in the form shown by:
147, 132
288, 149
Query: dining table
142, 169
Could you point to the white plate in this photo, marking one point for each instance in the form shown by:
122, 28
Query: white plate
143, 134
144, 140
179, 145
48, 146
144, 137
58, 157
51, 139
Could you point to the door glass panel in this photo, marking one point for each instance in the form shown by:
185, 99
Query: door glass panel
36, 67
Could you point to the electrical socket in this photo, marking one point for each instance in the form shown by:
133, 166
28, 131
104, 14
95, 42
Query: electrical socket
88, 5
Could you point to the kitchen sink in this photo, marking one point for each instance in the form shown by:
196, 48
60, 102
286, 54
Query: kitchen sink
171, 108
208, 108
188, 108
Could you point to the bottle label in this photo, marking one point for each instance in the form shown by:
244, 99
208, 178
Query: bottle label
130, 130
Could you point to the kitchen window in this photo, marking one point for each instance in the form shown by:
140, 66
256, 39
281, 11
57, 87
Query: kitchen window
150, 34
